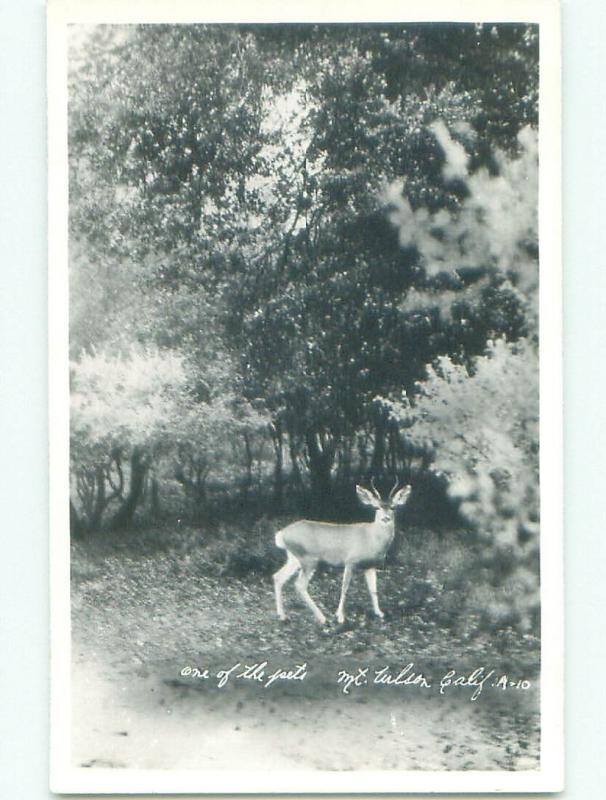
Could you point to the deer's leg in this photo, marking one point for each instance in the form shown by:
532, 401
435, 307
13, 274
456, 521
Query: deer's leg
303, 579
371, 582
347, 573
283, 575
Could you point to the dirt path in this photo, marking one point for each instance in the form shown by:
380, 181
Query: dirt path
139, 617
159, 722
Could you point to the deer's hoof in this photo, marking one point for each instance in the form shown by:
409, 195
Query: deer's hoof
340, 619
282, 617
321, 620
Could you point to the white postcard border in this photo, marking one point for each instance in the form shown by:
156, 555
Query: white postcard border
549, 778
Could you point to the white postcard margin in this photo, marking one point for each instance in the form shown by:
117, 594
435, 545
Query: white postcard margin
550, 777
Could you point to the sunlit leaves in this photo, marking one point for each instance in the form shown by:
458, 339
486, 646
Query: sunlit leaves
481, 428
126, 400
226, 207
495, 226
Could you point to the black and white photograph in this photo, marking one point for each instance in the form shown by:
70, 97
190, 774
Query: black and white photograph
305, 444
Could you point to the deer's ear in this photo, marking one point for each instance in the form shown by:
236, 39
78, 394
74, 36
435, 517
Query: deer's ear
401, 496
366, 497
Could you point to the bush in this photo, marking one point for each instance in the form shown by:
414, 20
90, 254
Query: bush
478, 421
480, 427
243, 548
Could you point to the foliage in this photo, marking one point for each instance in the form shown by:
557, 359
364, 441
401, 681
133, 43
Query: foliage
141, 406
494, 229
273, 231
227, 187
211, 435
121, 409
481, 429
129, 399
477, 418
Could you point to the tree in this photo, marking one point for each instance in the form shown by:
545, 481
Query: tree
481, 430
228, 202
122, 411
492, 233
212, 437
133, 412
478, 419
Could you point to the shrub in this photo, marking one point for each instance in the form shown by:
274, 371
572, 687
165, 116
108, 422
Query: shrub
480, 426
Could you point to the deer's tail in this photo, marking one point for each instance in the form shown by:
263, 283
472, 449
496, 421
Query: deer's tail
280, 540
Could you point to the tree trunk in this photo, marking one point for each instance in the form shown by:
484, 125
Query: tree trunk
123, 518
362, 442
345, 461
295, 474
377, 464
100, 502
199, 493
321, 453
278, 443
155, 498
394, 442
249, 465
76, 528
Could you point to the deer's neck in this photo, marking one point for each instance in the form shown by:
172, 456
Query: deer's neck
384, 532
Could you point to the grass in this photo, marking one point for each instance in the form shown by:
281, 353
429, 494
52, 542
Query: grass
155, 593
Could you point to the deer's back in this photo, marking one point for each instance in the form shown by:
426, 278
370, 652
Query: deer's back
336, 544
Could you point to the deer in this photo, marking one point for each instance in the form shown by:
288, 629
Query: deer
307, 543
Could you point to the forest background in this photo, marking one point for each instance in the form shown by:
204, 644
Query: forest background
302, 257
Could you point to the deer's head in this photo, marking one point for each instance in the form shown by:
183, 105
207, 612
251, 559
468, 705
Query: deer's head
385, 508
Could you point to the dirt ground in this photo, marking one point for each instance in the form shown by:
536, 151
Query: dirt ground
139, 620
153, 723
